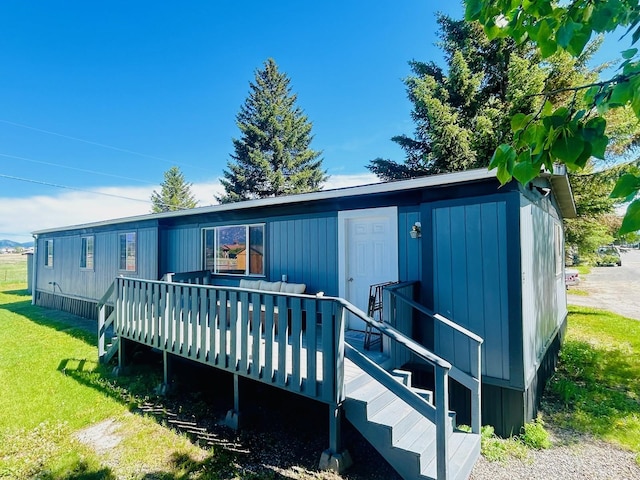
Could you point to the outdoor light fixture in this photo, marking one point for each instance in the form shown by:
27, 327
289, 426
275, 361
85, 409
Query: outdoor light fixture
416, 231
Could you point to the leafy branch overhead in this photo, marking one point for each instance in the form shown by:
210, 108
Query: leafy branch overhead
573, 133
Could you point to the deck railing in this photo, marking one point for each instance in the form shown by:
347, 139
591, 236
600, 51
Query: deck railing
396, 301
287, 340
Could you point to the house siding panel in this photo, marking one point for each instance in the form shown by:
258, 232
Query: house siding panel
67, 278
543, 306
410, 251
304, 249
470, 280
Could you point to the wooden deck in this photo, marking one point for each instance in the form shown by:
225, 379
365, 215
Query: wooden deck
298, 343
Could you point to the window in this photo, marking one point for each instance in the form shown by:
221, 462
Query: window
128, 251
557, 237
86, 255
48, 253
234, 250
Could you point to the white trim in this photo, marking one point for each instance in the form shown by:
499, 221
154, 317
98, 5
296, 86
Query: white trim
343, 217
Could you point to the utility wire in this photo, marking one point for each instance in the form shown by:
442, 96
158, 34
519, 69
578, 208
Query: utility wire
103, 145
10, 177
93, 172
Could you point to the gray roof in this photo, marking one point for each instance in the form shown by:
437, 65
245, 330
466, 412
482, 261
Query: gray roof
444, 179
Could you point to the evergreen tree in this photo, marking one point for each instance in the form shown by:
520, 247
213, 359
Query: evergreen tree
175, 193
462, 114
272, 157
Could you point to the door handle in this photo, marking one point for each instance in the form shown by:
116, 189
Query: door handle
350, 279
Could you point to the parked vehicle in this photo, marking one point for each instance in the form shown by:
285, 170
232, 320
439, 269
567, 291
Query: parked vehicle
608, 256
571, 277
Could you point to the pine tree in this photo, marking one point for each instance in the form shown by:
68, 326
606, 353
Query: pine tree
462, 114
175, 193
272, 157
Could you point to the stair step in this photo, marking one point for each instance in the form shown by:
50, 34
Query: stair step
375, 396
398, 416
464, 449
419, 438
403, 376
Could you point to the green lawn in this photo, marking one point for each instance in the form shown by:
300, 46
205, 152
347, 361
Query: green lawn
597, 386
13, 271
51, 388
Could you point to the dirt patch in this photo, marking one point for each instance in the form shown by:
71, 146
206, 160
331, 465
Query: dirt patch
101, 437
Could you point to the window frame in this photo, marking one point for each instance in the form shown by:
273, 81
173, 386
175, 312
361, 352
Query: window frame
85, 240
214, 268
127, 251
48, 253
558, 248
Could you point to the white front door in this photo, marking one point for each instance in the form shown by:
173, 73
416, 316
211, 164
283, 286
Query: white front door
368, 254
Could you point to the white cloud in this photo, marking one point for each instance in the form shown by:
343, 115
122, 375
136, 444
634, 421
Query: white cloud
20, 216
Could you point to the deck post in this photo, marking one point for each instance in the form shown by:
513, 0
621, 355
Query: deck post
166, 373
232, 420
335, 458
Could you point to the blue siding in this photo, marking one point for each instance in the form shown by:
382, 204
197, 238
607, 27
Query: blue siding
182, 250
410, 251
470, 281
73, 281
306, 251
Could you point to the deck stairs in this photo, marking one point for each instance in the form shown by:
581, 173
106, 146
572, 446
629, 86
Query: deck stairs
406, 439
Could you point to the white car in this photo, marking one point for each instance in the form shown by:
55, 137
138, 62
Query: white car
571, 276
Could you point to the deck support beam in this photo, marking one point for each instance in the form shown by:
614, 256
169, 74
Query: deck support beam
334, 458
232, 419
166, 373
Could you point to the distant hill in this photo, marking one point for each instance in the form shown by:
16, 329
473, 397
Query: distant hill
12, 244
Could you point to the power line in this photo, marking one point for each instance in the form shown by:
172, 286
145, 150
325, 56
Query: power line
29, 180
103, 145
93, 172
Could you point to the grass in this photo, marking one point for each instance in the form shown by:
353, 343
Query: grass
596, 388
13, 271
577, 291
51, 384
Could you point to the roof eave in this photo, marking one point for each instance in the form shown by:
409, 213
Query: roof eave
370, 189
561, 188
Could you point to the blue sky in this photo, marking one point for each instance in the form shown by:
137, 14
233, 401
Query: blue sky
106, 96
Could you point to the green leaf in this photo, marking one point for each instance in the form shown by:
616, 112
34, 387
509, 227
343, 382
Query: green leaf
631, 220
584, 157
504, 155
503, 159
596, 126
518, 121
567, 147
524, 170
621, 94
578, 41
599, 146
472, 10
625, 186
565, 33
590, 95
630, 53
553, 121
